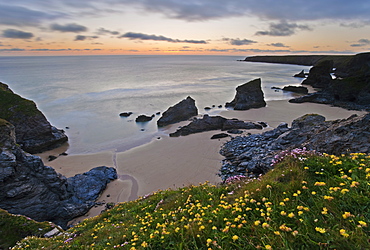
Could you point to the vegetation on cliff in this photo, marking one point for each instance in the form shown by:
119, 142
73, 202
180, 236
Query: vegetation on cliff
308, 201
15, 227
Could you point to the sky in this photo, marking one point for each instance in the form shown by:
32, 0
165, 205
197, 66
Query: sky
205, 27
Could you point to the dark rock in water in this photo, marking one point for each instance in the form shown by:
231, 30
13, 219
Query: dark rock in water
143, 118
235, 131
296, 89
252, 155
275, 88
219, 106
319, 75
182, 111
158, 113
208, 123
248, 95
64, 153
33, 132
207, 108
300, 74
219, 136
51, 157
125, 114
30, 188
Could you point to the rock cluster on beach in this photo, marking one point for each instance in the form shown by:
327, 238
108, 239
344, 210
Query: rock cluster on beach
248, 95
33, 132
182, 111
252, 155
30, 188
208, 123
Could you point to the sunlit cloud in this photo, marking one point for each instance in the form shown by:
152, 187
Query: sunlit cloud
239, 42
141, 36
83, 38
102, 31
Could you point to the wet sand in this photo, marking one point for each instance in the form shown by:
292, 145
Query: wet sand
175, 162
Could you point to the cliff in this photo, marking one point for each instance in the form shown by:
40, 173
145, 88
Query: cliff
30, 188
33, 131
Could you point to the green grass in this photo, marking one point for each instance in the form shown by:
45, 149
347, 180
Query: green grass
15, 227
11, 104
306, 202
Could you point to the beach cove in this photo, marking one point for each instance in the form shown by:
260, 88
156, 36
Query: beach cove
176, 162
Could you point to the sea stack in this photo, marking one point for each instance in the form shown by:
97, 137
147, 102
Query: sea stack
248, 95
182, 111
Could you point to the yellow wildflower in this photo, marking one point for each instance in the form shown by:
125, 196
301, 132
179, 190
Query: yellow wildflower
268, 247
320, 230
346, 215
291, 215
362, 223
235, 237
343, 233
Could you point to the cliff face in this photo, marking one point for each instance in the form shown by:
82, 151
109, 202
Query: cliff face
33, 132
30, 188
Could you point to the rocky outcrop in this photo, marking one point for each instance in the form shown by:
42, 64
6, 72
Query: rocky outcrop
33, 132
30, 188
208, 123
248, 95
319, 75
253, 155
296, 89
182, 111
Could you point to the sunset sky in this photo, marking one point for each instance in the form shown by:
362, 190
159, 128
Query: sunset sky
219, 27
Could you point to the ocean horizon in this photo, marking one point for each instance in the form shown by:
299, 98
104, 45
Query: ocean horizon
84, 95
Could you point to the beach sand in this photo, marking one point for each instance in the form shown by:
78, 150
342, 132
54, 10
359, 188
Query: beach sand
168, 162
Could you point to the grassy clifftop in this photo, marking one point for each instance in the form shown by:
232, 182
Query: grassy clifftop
307, 202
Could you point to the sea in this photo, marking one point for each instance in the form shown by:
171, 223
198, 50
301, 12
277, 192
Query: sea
84, 95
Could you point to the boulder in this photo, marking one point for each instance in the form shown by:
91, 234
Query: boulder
182, 111
144, 118
319, 75
296, 89
30, 188
33, 131
219, 136
125, 114
208, 123
248, 95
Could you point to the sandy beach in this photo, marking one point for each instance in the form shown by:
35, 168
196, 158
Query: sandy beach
168, 162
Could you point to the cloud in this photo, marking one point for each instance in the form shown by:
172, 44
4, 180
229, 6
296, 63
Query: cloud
280, 45
292, 10
102, 31
11, 50
83, 38
361, 43
141, 36
21, 16
16, 34
282, 28
71, 27
239, 42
